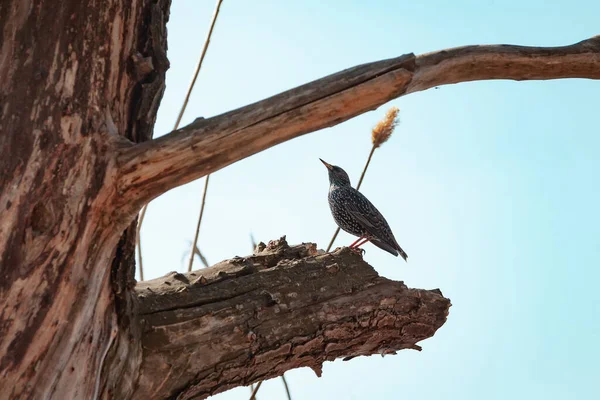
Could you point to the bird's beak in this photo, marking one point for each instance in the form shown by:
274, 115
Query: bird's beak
329, 166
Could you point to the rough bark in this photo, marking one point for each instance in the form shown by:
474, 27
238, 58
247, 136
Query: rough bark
253, 318
73, 76
207, 145
80, 83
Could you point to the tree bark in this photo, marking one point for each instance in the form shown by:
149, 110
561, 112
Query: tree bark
207, 145
80, 84
253, 318
74, 75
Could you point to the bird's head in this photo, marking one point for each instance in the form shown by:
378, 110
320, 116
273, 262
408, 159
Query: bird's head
337, 176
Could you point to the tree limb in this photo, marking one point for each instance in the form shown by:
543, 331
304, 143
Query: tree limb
206, 145
249, 319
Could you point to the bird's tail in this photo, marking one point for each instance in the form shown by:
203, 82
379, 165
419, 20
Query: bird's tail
390, 249
403, 254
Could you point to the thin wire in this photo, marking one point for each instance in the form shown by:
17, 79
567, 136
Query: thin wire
191, 262
362, 176
181, 112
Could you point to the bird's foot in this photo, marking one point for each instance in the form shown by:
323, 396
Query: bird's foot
358, 250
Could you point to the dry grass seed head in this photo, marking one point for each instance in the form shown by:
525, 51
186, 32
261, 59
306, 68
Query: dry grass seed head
384, 128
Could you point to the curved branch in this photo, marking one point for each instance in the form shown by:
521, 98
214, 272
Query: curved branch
206, 145
250, 319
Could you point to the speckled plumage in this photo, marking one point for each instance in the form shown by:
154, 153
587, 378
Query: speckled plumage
355, 214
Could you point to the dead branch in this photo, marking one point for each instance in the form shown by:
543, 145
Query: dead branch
206, 145
253, 318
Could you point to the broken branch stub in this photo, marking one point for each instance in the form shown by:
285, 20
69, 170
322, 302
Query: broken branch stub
253, 318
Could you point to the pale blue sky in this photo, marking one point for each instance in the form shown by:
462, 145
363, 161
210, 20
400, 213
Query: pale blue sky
490, 187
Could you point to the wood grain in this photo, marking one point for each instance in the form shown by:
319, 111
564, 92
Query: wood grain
253, 318
74, 74
80, 84
207, 145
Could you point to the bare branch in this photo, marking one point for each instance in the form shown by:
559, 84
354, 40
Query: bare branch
249, 319
206, 145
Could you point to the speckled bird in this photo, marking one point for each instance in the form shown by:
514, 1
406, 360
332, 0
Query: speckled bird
355, 214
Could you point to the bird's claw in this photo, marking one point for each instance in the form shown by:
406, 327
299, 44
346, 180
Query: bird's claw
358, 250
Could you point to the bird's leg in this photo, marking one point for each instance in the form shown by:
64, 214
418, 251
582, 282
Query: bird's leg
355, 246
356, 241
361, 243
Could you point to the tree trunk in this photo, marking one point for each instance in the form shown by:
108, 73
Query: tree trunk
73, 76
80, 84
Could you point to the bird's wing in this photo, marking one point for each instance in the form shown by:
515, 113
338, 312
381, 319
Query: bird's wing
371, 219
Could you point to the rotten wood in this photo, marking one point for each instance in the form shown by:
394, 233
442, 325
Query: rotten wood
254, 318
74, 75
207, 145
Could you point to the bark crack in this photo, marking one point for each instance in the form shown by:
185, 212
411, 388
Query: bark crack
290, 311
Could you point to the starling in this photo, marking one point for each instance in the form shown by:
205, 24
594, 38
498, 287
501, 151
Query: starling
355, 214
